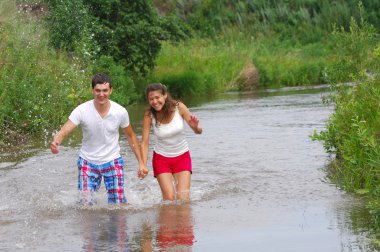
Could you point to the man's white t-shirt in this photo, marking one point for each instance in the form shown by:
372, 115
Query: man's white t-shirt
100, 142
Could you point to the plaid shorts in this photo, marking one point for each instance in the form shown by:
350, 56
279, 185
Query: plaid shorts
90, 177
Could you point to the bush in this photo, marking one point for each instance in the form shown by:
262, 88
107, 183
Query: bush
352, 51
353, 131
72, 27
129, 31
38, 87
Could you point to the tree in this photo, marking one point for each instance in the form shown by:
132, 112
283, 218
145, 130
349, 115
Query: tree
127, 30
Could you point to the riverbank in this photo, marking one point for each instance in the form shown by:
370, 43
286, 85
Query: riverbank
352, 136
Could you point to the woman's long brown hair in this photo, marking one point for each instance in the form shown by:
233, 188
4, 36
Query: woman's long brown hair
169, 106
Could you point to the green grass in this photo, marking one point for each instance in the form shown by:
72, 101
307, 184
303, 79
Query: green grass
215, 64
211, 66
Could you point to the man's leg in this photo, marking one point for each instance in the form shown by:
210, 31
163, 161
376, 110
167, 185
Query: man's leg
114, 181
88, 181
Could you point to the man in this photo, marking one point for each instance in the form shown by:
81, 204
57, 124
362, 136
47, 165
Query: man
99, 156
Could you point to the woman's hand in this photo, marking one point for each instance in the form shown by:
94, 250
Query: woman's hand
194, 124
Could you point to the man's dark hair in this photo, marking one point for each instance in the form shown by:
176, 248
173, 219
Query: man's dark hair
101, 78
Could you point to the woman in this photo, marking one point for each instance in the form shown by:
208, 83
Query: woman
171, 156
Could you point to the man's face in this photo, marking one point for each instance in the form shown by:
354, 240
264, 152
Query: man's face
101, 93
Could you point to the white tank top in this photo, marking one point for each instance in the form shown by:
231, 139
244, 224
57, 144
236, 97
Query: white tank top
170, 138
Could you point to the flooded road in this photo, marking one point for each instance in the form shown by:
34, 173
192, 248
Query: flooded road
258, 184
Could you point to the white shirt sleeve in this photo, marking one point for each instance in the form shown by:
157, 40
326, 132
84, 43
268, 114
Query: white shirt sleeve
75, 116
124, 119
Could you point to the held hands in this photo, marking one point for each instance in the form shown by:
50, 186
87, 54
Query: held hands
142, 172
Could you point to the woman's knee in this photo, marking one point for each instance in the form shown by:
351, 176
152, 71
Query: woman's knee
183, 195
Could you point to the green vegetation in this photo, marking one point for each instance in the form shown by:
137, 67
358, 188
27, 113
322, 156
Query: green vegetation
37, 84
288, 43
49, 51
130, 32
352, 133
217, 64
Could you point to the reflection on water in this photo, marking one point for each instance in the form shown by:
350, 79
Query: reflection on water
169, 229
107, 232
175, 230
258, 184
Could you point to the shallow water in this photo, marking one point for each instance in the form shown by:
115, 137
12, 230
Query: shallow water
258, 185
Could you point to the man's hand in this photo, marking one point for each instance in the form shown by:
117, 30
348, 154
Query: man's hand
54, 147
58, 138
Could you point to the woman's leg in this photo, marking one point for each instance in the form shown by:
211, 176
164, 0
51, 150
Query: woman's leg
165, 180
182, 183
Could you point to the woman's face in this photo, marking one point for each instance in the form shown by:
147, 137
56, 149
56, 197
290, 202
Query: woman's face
156, 100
